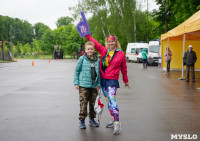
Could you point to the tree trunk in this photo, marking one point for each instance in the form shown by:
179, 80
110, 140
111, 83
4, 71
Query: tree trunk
147, 24
11, 40
166, 18
135, 37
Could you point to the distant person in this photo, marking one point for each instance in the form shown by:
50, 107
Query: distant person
79, 53
189, 60
82, 53
168, 58
73, 54
144, 57
87, 81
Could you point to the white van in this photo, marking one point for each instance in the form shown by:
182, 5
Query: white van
153, 52
134, 51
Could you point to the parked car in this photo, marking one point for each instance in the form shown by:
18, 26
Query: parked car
134, 51
153, 52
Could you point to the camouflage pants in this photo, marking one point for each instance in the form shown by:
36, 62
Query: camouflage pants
87, 95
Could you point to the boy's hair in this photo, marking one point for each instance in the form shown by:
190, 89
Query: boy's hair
116, 41
89, 43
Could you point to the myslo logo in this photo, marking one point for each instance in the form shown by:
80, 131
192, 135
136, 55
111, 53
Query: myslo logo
184, 136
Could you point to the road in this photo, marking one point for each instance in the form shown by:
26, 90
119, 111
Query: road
40, 103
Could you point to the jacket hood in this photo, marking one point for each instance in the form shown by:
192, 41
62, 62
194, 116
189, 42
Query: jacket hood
144, 49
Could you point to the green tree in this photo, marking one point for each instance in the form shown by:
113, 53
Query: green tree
172, 13
40, 29
14, 50
5, 48
22, 30
19, 48
121, 18
36, 47
47, 42
27, 48
63, 21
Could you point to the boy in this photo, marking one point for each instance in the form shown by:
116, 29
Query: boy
87, 81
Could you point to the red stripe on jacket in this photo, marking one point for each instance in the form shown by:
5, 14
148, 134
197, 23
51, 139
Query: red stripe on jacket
118, 62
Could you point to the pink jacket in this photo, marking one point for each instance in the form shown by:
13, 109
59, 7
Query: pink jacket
169, 55
118, 62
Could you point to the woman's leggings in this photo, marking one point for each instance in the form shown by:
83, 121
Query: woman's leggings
110, 95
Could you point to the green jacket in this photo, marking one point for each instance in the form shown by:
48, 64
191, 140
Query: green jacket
82, 75
144, 54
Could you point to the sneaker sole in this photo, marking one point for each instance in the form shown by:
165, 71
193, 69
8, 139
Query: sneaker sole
93, 125
82, 127
111, 126
119, 130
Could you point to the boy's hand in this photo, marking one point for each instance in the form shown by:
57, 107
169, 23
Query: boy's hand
83, 27
127, 84
97, 88
77, 87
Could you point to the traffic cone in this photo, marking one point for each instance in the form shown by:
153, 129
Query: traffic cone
13, 59
49, 61
16, 59
56, 59
32, 63
42, 58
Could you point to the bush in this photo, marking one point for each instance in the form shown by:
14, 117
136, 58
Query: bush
28, 54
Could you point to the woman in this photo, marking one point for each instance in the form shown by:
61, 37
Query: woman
112, 61
168, 58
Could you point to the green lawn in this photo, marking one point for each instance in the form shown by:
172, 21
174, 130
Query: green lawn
1, 61
41, 57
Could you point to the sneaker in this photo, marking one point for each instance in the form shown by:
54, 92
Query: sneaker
93, 123
186, 80
110, 124
117, 127
82, 124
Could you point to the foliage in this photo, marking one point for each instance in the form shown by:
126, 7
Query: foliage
171, 13
20, 48
40, 29
36, 47
14, 50
123, 18
21, 30
63, 21
27, 48
5, 48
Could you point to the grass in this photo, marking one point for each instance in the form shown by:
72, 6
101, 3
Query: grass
41, 57
1, 61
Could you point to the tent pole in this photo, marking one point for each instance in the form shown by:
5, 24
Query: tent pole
182, 59
167, 53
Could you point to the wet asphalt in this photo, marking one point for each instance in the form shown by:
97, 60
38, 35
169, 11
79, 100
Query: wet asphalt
40, 103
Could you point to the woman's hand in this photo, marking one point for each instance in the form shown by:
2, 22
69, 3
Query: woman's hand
127, 84
77, 87
97, 88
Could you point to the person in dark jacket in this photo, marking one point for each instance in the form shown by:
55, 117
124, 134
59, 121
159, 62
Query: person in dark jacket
189, 60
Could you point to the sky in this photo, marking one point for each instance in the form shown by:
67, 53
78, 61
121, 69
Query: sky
45, 11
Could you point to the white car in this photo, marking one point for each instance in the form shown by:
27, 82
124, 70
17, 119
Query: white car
134, 51
153, 52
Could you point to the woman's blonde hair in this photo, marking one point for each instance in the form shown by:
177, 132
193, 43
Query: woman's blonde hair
89, 43
116, 41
